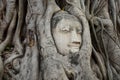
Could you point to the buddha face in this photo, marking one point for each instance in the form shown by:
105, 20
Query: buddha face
67, 36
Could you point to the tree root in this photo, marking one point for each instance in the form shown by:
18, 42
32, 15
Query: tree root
11, 4
8, 17
9, 33
96, 39
112, 11
16, 39
101, 5
17, 43
7, 40
93, 7
117, 76
82, 5
100, 63
108, 66
1, 68
11, 74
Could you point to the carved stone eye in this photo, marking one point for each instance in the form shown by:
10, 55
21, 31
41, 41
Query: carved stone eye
65, 29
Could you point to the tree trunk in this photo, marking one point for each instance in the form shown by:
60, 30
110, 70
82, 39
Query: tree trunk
28, 50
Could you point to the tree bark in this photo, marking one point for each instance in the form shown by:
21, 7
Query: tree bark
28, 50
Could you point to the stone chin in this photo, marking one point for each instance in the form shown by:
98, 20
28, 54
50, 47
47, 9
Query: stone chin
68, 51
74, 50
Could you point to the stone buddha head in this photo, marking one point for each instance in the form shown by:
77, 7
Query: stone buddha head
67, 32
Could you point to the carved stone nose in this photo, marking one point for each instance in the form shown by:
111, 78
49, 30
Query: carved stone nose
75, 37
